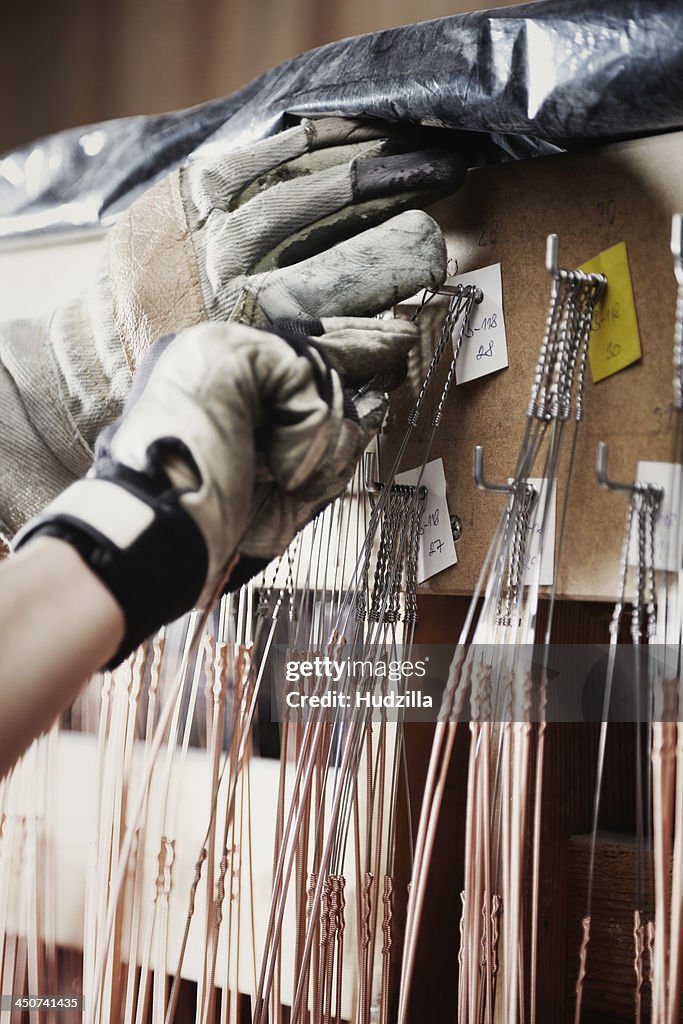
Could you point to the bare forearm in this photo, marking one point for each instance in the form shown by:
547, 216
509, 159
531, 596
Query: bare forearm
58, 625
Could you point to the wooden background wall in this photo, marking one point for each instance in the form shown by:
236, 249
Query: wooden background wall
71, 62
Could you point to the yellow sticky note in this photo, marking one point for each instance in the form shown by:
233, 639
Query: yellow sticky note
614, 340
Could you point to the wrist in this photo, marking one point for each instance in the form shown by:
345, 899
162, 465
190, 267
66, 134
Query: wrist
132, 533
60, 562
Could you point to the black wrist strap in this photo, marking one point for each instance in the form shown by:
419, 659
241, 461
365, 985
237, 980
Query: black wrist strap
159, 572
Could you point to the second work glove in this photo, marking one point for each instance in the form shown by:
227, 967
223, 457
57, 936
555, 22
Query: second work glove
300, 225
231, 441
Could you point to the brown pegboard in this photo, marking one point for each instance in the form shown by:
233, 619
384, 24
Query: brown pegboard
592, 200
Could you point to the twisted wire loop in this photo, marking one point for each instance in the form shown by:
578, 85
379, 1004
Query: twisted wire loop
331, 946
365, 937
583, 965
324, 942
573, 298
649, 953
310, 895
639, 949
524, 500
459, 310
496, 908
461, 961
387, 920
483, 958
412, 554
340, 924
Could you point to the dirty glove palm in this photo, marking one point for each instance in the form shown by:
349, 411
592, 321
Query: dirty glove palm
228, 446
294, 226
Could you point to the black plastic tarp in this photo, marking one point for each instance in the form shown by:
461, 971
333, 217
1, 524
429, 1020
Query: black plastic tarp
517, 82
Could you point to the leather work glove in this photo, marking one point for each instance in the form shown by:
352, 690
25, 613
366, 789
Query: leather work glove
173, 495
299, 225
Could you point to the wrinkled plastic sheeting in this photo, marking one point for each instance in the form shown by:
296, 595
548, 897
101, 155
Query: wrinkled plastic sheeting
527, 80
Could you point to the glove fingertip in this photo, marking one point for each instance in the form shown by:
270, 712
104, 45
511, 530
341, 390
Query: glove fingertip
369, 409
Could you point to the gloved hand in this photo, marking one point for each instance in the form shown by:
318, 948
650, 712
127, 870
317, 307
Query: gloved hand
248, 236
173, 495
282, 201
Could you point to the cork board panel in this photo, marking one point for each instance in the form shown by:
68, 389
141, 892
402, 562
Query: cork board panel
592, 200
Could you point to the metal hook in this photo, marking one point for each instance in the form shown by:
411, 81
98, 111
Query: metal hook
478, 474
461, 289
651, 493
552, 262
552, 255
455, 291
375, 487
371, 485
601, 457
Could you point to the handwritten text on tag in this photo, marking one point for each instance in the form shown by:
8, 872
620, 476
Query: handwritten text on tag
484, 345
614, 341
437, 550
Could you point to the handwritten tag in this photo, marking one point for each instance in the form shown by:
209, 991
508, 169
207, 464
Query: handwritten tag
668, 526
614, 340
536, 550
484, 345
437, 550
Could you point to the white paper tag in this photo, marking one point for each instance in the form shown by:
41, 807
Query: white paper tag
437, 550
533, 551
668, 525
484, 345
